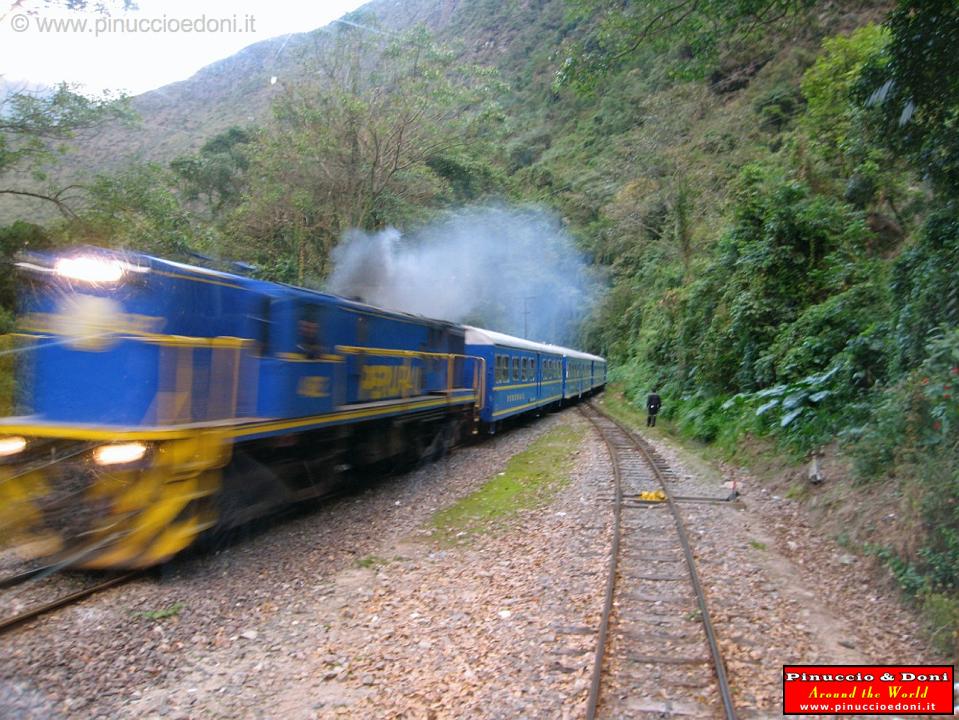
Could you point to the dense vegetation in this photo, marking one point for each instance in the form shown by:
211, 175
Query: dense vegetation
771, 184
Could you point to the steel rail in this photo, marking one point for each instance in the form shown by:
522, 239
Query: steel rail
592, 701
718, 664
22, 577
13, 621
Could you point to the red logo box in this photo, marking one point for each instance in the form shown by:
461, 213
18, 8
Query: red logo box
868, 689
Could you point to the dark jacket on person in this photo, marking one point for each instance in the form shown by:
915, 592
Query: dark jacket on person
653, 403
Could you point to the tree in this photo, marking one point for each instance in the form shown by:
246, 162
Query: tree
218, 172
35, 128
137, 208
613, 32
914, 86
356, 145
832, 116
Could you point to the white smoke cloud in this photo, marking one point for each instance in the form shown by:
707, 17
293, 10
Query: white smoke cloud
515, 270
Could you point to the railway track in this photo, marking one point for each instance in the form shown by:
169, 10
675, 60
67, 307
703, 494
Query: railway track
656, 652
63, 598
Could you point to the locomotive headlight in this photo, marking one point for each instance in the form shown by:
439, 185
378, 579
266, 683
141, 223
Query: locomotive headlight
119, 454
12, 445
88, 268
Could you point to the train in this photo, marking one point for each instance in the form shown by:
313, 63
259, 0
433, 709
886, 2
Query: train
157, 401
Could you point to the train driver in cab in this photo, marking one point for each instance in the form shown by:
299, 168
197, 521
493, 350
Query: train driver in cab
309, 344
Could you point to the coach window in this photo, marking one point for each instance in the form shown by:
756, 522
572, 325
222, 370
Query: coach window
515, 369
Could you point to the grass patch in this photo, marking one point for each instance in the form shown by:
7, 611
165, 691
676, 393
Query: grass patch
167, 612
942, 613
370, 561
757, 544
530, 479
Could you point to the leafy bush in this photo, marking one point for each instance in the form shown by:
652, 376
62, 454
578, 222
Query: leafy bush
915, 419
925, 286
823, 331
776, 261
777, 107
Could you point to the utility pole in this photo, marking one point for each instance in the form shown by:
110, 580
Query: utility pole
526, 315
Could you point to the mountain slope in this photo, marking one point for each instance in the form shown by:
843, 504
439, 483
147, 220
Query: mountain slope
178, 118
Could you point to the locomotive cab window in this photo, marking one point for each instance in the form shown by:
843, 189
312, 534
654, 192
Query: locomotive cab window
308, 332
261, 326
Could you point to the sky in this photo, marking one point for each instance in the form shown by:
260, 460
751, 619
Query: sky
160, 42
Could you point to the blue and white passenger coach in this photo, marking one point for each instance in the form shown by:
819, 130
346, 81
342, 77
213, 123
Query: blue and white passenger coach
524, 376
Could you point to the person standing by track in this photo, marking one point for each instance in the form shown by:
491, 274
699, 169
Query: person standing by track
653, 403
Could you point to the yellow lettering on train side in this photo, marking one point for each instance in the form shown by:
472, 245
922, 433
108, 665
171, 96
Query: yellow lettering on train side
384, 381
313, 386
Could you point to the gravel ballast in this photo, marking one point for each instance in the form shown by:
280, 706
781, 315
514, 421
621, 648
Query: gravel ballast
359, 610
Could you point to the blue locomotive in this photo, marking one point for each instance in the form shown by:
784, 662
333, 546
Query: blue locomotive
158, 400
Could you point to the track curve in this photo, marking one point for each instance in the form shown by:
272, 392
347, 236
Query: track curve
656, 652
